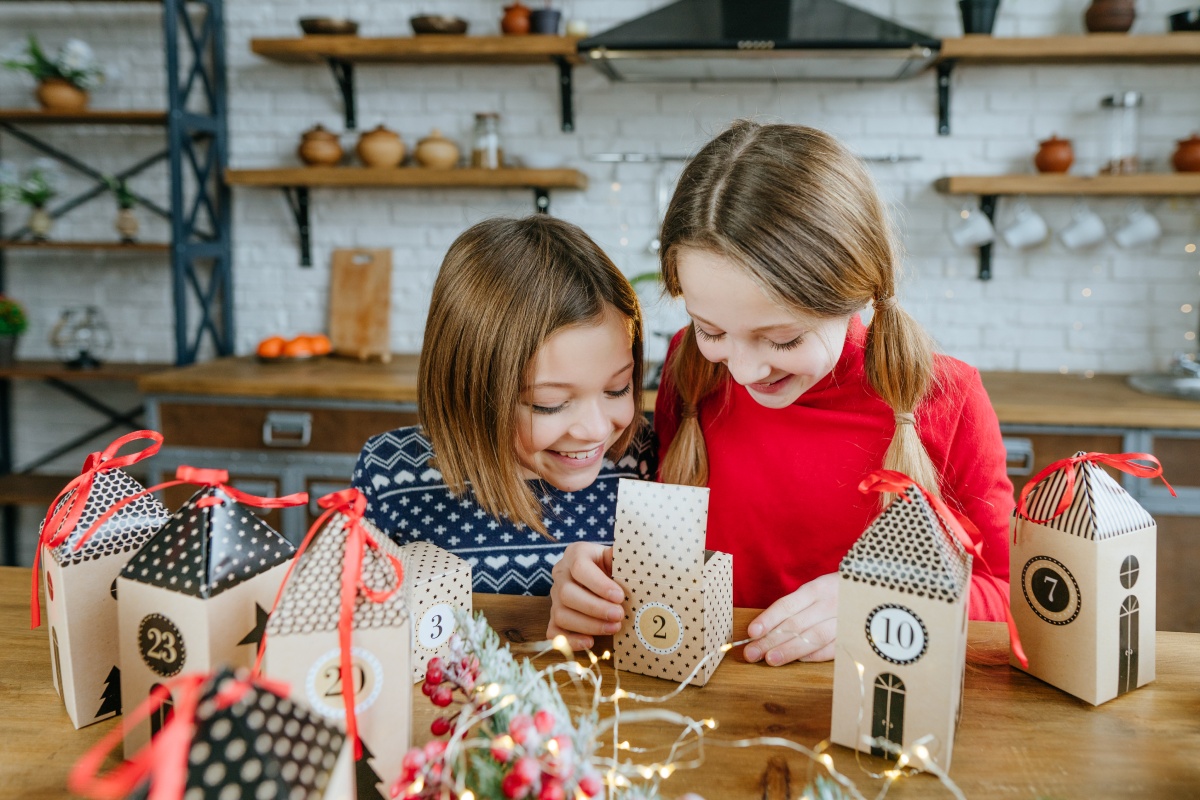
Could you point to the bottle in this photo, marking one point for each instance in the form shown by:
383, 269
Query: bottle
486, 151
1121, 110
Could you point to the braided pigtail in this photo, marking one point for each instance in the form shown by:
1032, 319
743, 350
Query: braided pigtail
695, 377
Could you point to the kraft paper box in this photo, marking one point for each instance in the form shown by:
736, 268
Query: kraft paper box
196, 597
1082, 586
435, 583
678, 596
80, 587
303, 649
903, 598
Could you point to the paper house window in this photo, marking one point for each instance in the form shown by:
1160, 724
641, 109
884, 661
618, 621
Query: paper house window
80, 588
435, 583
678, 596
1083, 586
902, 634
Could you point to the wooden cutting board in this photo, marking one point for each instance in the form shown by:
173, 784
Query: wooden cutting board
360, 291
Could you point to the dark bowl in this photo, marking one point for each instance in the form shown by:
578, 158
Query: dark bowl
434, 23
328, 26
1186, 20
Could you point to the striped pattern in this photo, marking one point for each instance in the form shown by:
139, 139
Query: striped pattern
1101, 509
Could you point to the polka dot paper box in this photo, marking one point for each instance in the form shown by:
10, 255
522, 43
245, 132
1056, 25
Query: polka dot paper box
80, 589
435, 583
678, 596
196, 597
902, 635
304, 647
1082, 584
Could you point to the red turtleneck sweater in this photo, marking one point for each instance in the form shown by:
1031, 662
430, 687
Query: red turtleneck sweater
784, 494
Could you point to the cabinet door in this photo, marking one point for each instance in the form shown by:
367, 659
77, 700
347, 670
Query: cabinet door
1178, 534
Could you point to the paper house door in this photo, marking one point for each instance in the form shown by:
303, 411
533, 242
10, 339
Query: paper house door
302, 649
80, 590
678, 596
902, 635
1083, 586
195, 597
435, 583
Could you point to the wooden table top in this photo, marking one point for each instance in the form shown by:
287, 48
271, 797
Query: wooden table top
1019, 737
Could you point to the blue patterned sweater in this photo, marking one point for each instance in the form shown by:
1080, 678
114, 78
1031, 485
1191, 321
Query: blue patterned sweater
408, 500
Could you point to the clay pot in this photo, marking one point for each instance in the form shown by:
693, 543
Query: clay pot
320, 147
127, 225
40, 223
56, 94
436, 151
516, 19
1109, 16
380, 148
1187, 155
1054, 155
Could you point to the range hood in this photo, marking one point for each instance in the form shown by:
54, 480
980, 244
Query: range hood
718, 40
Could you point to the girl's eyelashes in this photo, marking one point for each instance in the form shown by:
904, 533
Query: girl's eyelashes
714, 337
547, 409
792, 345
708, 337
621, 392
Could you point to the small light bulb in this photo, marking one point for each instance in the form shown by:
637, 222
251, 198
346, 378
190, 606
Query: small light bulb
921, 752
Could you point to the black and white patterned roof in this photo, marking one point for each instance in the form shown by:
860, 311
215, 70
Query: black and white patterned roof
908, 549
1100, 508
123, 532
311, 600
262, 746
204, 551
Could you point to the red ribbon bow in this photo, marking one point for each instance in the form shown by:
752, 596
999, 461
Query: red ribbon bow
61, 520
165, 760
886, 480
1126, 462
352, 503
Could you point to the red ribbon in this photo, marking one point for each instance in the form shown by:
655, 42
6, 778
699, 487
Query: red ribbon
886, 480
165, 760
352, 503
61, 520
1126, 462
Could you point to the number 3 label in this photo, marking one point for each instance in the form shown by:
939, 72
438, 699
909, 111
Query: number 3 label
436, 626
897, 634
659, 628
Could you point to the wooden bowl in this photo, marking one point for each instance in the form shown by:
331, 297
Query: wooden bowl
328, 26
434, 23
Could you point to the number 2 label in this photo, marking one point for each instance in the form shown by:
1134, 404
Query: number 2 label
659, 628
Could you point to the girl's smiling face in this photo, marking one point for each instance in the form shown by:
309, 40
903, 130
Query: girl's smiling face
776, 353
577, 402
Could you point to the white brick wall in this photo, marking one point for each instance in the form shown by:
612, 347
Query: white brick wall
1032, 316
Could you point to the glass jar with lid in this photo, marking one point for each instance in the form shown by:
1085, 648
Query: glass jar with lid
486, 149
1120, 154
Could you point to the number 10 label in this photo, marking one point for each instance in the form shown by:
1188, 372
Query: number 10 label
897, 634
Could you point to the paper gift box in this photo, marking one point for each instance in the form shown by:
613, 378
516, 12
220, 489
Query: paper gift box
1083, 582
304, 645
678, 596
196, 596
435, 583
80, 582
898, 671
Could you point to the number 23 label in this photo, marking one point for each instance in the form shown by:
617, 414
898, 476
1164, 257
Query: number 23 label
659, 628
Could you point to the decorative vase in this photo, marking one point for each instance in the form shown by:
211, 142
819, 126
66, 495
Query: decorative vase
545, 20
127, 225
320, 147
436, 151
1054, 155
1109, 16
516, 19
978, 16
81, 337
380, 148
8, 348
56, 94
40, 223
1187, 155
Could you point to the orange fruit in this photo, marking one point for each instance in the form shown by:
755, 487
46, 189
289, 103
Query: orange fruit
271, 347
320, 344
298, 348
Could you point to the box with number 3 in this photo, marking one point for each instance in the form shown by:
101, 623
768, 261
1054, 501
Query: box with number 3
435, 583
678, 596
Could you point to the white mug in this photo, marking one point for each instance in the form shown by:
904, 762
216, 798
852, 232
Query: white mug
1026, 229
974, 230
1085, 229
1140, 227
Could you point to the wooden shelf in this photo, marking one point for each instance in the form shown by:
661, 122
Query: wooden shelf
427, 49
115, 247
31, 490
1164, 184
107, 371
93, 117
409, 177
1179, 47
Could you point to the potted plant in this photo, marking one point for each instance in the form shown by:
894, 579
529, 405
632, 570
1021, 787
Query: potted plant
127, 222
35, 188
13, 323
65, 80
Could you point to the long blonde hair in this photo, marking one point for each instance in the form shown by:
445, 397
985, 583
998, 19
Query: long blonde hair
801, 215
504, 287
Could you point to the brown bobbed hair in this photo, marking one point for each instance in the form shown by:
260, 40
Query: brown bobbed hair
504, 287
801, 214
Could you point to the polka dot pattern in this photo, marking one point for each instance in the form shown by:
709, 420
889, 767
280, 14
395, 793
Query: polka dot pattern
311, 601
124, 532
204, 551
433, 576
908, 549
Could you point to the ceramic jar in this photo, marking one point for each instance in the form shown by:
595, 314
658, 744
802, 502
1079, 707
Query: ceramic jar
1187, 155
40, 223
436, 151
516, 19
1109, 16
56, 94
127, 225
320, 147
1054, 155
380, 148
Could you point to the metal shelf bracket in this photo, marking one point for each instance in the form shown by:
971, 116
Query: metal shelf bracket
944, 71
343, 76
297, 199
566, 93
541, 200
987, 204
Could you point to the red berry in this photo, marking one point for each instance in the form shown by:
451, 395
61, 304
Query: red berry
501, 751
543, 721
434, 749
518, 728
427, 688
528, 768
590, 785
552, 789
414, 759
513, 787
440, 726
442, 696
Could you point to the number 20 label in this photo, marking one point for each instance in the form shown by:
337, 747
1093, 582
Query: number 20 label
659, 628
436, 626
897, 634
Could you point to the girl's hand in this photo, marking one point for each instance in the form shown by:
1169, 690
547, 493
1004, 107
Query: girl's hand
799, 626
585, 600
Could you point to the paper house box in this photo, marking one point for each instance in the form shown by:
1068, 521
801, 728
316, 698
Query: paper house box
902, 635
678, 596
80, 587
195, 597
435, 583
302, 649
1082, 586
